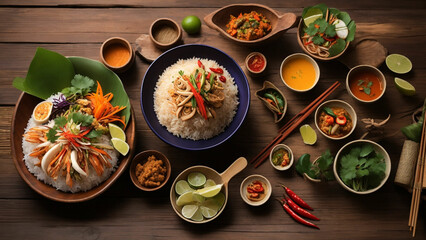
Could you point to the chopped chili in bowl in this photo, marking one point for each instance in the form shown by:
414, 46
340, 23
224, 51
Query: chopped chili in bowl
256, 191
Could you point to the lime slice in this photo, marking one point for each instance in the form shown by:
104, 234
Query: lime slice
210, 191
212, 204
308, 134
182, 187
116, 132
120, 145
209, 183
184, 199
198, 216
196, 179
405, 87
311, 15
398, 63
208, 212
188, 211
219, 199
197, 197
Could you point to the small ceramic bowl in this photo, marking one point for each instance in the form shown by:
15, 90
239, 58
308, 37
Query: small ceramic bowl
250, 179
290, 153
117, 54
358, 72
339, 104
142, 158
259, 94
346, 148
255, 63
294, 57
165, 33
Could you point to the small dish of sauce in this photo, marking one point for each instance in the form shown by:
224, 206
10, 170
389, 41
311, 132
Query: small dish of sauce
165, 33
117, 54
255, 190
255, 63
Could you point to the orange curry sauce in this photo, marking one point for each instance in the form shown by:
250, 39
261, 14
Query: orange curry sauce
116, 54
360, 81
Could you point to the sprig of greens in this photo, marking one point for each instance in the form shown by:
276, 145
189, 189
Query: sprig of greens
321, 169
362, 168
80, 86
414, 131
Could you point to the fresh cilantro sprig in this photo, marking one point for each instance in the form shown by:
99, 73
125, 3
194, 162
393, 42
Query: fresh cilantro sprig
80, 86
362, 168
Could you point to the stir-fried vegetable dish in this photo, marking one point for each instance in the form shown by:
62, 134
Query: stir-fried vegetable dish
249, 26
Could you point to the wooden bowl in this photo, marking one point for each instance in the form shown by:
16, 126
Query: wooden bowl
165, 33
299, 40
22, 113
122, 42
142, 158
222, 178
218, 19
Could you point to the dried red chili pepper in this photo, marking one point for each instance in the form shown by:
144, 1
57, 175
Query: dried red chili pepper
222, 78
295, 216
296, 198
200, 64
300, 210
217, 70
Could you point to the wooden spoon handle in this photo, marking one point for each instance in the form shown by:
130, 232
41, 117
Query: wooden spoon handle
286, 21
232, 170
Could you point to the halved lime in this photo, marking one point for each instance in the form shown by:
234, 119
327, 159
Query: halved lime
209, 183
404, 87
120, 145
398, 63
182, 187
210, 191
309, 135
196, 179
208, 212
198, 216
184, 199
311, 15
116, 132
188, 211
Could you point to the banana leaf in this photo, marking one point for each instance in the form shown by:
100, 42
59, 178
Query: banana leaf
51, 69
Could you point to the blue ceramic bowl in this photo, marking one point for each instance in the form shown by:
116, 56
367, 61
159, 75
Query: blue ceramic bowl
183, 52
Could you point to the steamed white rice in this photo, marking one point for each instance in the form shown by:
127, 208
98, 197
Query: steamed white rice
85, 184
197, 127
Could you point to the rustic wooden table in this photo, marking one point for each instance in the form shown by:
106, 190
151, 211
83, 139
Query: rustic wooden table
78, 27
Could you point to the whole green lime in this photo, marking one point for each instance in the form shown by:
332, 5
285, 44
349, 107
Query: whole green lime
191, 24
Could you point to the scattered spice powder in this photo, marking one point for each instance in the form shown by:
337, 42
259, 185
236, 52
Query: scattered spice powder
151, 173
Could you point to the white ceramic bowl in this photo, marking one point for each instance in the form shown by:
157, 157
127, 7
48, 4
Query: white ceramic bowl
250, 179
304, 56
345, 149
277, 147
340, 104
366, 68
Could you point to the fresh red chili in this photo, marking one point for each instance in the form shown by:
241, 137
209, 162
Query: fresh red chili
307, 43
255, 187
199, 101
295, 216
217, 70
200, 64
208, 76
296, 198
300, 210
329, 119
341, 120
222, 78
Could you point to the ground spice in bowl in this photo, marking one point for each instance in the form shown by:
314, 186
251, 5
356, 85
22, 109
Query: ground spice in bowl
151, 173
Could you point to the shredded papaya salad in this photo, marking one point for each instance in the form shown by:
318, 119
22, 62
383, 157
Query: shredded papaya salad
72, 141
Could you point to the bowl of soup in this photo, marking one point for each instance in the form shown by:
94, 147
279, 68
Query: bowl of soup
299, 72
365, 83
335, 119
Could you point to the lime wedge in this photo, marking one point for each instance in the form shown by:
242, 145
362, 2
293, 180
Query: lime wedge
196, 179
182, 187
405, 87
185, 199
197, 197
116, 132
311, 15
120, 145
398, 63
198, 216
208, 212
188, 211
209, 183
210, 191
219, 199
309, 135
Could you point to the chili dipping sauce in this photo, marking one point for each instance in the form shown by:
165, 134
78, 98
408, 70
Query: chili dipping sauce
256, 63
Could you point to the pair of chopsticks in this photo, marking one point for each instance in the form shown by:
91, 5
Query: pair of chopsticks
292, 124
418, 182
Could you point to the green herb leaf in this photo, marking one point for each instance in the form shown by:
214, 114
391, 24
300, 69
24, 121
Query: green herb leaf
337, 47
318, 40
344, 16
369, 84
84, 119
325, 161
366, 149
352, 30
367, 90
51, 135
304, 165
333, 12
360, 82
329, 111
330, 31
322, 23
94, 134
311, 30
60, 121
181, 72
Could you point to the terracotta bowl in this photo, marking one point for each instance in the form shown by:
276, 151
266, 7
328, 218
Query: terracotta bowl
22, 113
299, 40
165, 33
218, 19
142, 158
